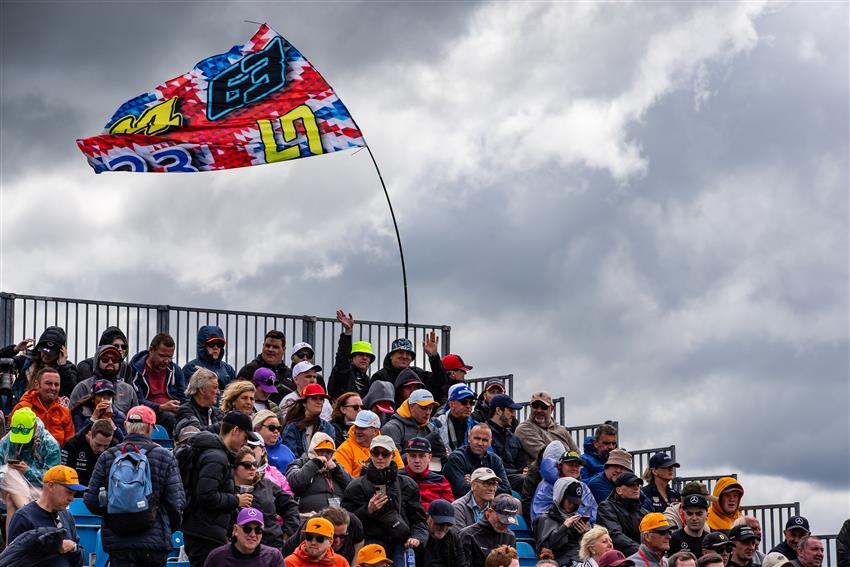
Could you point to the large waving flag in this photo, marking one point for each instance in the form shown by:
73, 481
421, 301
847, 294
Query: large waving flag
261, 102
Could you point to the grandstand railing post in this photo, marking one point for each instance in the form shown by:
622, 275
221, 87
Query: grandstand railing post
7, 318
446, 336
163, 319
308, 330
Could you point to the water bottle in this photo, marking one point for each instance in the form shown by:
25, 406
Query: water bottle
410, 557
101, 497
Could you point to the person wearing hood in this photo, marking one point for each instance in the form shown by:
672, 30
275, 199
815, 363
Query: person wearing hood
559, 463
402, 355
50, 351
388, 504
303, 420
317, 548
112, 336
413, 419
726, 509
159, 381
43, 399
597, 449
380, 399
561, 528
405, 383
317, 480
211, 352
454, 425
622, 512
354, 451
353, 359
271, 357
108, 365
99, 405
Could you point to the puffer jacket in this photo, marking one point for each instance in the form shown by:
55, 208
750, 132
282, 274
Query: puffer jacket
401, 427
345, 377
36, 547
480, 539
462, 462
57, 419
509, 448
432, 486
88, 367
402, 517
205, 419
167, 496
352, 456
27, 367
379, 391
549, 474
224, 371
593, 463
622, 519
40, 454
434, 381
213, 498
175, 385
551, 533
717, 518
312, 487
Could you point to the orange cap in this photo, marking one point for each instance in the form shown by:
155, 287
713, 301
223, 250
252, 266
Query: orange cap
372, 554
655, 522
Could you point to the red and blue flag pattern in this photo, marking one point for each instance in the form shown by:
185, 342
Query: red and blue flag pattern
261, 102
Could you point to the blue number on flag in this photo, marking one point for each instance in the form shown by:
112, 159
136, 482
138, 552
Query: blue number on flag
133, 163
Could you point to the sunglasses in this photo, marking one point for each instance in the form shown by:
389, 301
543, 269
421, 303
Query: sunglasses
322, 398
539, 405
358, 407
23, 430
258, 530
381, 454
304, 354
274, 428
246, 464
112, 359
316, 538
496, 389
467, 401
216, 344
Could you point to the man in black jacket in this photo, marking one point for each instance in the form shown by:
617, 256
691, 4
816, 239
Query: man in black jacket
112, 336
213, 498
505, 443
795, 528
491, 531
81, 451
351, 366
622, 512
444, 548
271, 357
402, 355
200, 409
462, 462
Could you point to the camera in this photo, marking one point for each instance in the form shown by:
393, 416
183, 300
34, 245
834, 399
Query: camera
8, 373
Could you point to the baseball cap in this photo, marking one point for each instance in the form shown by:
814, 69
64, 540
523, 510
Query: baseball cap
441, 512
506, 507
384, 407
102, 386
661, 460
542, 397
366, 418
221, 340
248, 515
326, 445
304, 366
237, 419
569, 488
402, 344
628, 478
422, 397
570, 457
254, 439
715, 540
145, 414
613, 558
363, 347
695, 501
111, 349
311, 390
619, 457
797, 523
494, 381
460, 392
483, 474
655, 522
320, 526
372, 554
775, 559
503, 401
264, 378
455, 362
49, 347
301, 346
418, 445
742, 533
23, 421
66, 476
384, 442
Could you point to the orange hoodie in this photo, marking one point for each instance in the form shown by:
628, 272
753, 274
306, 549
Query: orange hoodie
57, 418
717, 518
351, 456
299, 558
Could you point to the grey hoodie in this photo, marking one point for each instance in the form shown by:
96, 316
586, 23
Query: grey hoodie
380, 391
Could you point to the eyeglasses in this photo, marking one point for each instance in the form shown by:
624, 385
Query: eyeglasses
246, 464
358, 407
381, 454
467, 401
539, 405
112, 359
120, 346
258, 530
274, 428
316, 538
23, 430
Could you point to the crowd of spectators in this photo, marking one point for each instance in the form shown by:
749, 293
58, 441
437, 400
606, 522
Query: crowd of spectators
272, 465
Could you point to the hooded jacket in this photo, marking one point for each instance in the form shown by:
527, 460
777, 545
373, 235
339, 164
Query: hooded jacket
300, 559
406, 376
462, 462
717, 518
40, 454
345, 377
593, 462
435, 381
27, 367
88, 367
550, 474
312, 486
379, 391
622, 519
175, 385
213, 497
57, 419
125, 393
432, 486
224, 371
352, 456
402, 517
401, 428
550, 531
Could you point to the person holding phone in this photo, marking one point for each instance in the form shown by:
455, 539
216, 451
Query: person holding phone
561, 528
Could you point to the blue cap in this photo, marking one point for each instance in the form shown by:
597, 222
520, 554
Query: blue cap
460, 392
503, 401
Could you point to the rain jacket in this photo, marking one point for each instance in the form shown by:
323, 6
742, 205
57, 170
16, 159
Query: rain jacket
550, 474
224, 371
314, 488
41, 453
175, 385
57, 419
88, 367
622, 519
717, 518
300, 559
27, 368
345, 377
434, 381
593, 463
401, 428
352, 456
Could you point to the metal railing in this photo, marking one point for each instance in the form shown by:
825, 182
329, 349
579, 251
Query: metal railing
830, 551
84, 320
709, 480
640, 457
559, 415
477, 384
582, 432
772, 518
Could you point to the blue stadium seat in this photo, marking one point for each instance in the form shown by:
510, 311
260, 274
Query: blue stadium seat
176, 544
522, 531
161, 437
88, 528
102, 557
527, 557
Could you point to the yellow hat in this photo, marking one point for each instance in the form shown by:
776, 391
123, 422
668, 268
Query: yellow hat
372, 554
655, 522
320, 526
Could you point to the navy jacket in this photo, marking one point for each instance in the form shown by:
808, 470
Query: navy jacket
600, 486
175, 383
593, 463
509, 448
462, 462
224, 371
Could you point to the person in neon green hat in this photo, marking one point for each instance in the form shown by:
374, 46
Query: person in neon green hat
27, 451
351, 367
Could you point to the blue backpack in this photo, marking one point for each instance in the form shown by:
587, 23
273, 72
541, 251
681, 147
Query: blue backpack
129, 509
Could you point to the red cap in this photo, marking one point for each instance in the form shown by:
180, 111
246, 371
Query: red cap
385, 407
143, 414
454, 362
314, 390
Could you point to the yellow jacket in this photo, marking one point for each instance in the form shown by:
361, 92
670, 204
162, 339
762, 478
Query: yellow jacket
352, 456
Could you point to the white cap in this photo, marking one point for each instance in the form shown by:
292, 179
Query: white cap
303, 367
366, 418
299, 346
384, 442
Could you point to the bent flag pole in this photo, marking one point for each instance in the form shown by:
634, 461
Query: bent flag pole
261, 102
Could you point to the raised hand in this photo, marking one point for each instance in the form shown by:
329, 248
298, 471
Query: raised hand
431, 343
346, 320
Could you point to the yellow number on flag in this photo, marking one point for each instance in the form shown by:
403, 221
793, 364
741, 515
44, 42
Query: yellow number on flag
154, 120
287, 126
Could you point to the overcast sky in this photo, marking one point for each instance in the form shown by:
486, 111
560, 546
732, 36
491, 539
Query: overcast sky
643, 207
